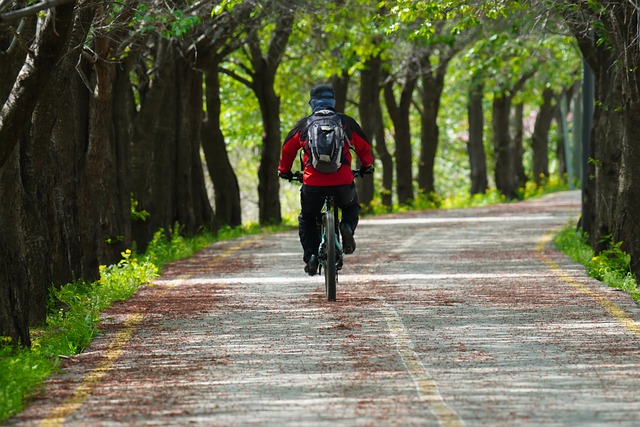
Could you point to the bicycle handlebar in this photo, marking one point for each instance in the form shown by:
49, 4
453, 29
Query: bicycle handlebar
297, 176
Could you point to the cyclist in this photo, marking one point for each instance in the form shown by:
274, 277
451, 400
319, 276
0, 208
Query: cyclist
316, 185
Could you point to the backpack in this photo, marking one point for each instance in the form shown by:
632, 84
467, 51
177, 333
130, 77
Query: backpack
325, 141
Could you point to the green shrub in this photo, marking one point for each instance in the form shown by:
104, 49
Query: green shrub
612, 266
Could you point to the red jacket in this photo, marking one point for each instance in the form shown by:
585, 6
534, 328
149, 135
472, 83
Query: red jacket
296, 140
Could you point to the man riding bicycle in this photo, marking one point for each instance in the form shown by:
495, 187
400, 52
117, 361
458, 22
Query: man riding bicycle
316, 184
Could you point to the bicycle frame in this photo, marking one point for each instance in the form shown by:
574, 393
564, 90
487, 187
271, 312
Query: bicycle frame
330, 253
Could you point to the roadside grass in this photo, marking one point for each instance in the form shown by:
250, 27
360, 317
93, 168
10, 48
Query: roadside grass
611, 266
74, 311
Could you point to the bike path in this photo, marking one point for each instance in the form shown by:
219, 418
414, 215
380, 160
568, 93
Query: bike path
464, 317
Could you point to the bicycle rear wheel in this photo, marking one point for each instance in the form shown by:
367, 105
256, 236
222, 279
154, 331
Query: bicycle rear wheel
330, 272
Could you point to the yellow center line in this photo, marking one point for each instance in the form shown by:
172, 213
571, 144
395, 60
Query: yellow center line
616, 312
425, 384
91, 381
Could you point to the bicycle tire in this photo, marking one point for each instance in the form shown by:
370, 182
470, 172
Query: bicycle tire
330, 273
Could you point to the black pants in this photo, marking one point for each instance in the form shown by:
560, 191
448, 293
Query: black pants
312, 200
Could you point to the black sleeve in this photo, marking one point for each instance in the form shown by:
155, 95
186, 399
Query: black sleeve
300, 126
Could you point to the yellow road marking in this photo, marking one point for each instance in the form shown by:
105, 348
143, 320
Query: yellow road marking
90, 382
93, 378
619, 314
425, 384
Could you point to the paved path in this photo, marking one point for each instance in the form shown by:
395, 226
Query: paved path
465, 317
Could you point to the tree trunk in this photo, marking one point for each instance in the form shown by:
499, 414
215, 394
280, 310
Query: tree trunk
518, 145
432, 86
340, 84
13, 56
14, 280
373, 124
225, 183
268, 185
540, 137
612, 180
561, 145
624, 27
103, 205
400, 116
505, 176
475, 146
627, 226
264, 72
33, 77
168, 180
33, 241
609, 133
193, 210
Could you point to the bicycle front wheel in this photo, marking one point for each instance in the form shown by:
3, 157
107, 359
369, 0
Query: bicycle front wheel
330, 272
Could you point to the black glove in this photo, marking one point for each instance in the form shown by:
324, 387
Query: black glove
365, 170
286, 175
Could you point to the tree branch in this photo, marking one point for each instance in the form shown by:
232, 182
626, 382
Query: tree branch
236, 76
31, 10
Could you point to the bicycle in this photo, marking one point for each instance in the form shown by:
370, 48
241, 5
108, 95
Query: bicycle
330, 253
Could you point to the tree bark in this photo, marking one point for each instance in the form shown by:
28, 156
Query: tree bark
609, 132
264, 72
475, 146
432, 86
340, 84
518, 145
14, 278
168, 180
13, 54
268, 185
40, 61
540, 137
503, 150
627, 227
561, 144
612, 195
373, 124
623, 24
400, 116
31, 244
225, 183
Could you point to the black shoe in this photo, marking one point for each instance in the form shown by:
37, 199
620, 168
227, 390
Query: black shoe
348, 243
312, 265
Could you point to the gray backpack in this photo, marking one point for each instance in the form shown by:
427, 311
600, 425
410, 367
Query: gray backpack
325, 141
